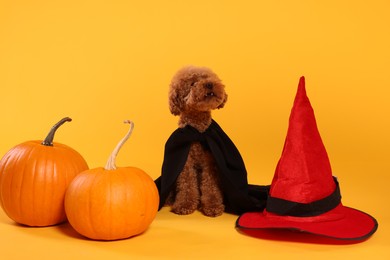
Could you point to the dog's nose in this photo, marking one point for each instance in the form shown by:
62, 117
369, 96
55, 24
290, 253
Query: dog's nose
208, 85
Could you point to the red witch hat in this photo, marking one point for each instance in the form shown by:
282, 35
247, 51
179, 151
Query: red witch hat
304, 195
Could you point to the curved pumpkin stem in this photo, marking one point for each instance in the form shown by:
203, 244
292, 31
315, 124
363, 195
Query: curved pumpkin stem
49, 138
110, 165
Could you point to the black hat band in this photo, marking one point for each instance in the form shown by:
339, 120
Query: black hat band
290, 208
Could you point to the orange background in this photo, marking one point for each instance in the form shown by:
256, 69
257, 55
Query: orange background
100, 62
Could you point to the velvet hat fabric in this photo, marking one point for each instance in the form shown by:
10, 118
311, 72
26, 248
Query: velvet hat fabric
304, 195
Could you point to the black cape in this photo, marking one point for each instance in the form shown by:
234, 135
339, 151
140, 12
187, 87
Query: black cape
239, 196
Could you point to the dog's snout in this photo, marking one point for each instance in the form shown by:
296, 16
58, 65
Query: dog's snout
208, 85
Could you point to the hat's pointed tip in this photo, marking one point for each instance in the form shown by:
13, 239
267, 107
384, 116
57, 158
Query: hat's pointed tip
302, 82
301, 92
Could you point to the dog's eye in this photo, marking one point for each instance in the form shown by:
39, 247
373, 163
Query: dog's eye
208, 85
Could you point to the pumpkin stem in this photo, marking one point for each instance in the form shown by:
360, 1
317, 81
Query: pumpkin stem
49, 138
110, 165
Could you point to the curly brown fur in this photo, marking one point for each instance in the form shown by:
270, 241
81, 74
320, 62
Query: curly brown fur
194, 93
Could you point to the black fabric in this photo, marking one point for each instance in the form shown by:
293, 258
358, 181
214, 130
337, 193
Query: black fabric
239, 196
290, 208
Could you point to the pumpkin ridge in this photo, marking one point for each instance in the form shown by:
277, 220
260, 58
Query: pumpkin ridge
3, 166
22, 184
10, 184
91, 213
37, 173
10, 179
33, 177
109, 195
2, 179
49, 186
148, 215
42, 190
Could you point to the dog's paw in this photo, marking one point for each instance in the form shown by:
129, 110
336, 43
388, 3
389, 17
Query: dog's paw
183, 210
214, 211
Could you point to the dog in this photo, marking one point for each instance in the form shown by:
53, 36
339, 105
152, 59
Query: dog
194, 92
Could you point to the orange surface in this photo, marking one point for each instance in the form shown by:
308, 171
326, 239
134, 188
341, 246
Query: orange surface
103, 62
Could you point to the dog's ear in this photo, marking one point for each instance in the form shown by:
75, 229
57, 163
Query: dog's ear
175, 101
223, 102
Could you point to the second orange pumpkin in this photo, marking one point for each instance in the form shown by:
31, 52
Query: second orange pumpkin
113, 202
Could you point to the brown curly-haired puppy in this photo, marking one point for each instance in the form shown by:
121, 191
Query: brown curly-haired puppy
194, 93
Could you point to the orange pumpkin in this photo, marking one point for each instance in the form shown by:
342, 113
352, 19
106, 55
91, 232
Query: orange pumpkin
34, 176
113, 202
